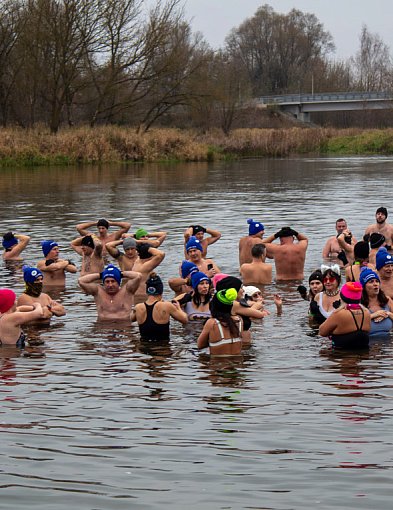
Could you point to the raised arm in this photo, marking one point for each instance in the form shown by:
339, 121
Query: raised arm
76, 245
124, 227
214, 236
82, 228
154, 261
23, 242
89, 283
112, 248
134, 279
177, 313
159, 238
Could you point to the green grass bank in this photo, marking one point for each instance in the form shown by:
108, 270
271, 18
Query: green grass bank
111, 144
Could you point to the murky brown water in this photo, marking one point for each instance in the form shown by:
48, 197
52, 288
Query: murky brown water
103, 422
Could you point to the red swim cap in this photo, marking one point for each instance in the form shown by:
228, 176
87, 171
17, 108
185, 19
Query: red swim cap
7, 299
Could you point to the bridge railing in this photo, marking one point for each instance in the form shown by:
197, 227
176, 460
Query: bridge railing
325, 96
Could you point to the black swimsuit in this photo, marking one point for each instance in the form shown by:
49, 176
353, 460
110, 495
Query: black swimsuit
355, 340
150, 330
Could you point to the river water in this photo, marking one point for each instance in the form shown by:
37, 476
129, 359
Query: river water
92, 419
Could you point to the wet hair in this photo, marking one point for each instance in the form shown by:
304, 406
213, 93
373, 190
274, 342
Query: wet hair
381, 297
340, 220
224, 317
361, 251
258, 250
331, 273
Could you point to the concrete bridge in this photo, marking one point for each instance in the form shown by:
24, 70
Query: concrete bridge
301, 105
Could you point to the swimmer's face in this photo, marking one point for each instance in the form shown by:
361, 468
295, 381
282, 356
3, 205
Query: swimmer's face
204, 287
194, 254
372, 287
257, 296
102, 230
316, 286
39, 279
130, 252
54, 253
199, 235
380, 217
386, 271
87, 250
111, 286
341, 226
330, 282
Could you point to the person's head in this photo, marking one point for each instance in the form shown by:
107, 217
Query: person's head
315, 282
286, 235
111, 279
143, 250
255, 228
258, 251
154, 285
351, 292
87, 245
231, 282
7, 300
252, 293
381, 214
361, 251
9, 240
33, 280
221, 308
384, 263
102, 226
141, 233
201, 285
217, 278
331, 277
341, 225
371, 284
187, 268
198, 231
50, 249
376, 240
129, 247
194, 249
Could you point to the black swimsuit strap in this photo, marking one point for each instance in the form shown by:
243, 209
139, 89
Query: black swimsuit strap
359, 328
353, 276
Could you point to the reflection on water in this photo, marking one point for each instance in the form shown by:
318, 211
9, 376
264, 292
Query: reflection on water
93, 417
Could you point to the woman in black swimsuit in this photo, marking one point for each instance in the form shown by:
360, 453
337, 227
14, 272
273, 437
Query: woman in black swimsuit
349, 326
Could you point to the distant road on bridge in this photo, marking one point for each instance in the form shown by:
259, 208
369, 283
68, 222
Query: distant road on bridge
301, 105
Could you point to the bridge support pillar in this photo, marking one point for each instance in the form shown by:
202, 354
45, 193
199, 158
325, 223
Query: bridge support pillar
304, 116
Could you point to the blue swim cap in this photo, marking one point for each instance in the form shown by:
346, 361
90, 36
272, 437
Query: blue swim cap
111, 271
193, 243
382, 258
47, 246
197, 278
254, 227
367, 274
30, 274
9, 240
187, 268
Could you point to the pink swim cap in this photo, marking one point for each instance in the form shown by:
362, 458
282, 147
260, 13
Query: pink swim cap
218, 277
7, 299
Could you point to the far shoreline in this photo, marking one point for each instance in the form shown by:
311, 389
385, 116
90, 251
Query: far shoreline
114, 144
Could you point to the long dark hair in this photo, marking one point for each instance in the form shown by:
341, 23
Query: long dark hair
201, 300
381, 297
224, 316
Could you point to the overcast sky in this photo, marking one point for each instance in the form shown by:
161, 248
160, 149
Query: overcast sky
342, 18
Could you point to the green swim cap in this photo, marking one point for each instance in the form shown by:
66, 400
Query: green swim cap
227, 297
141, 232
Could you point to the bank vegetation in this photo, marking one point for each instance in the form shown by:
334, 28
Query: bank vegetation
109, 144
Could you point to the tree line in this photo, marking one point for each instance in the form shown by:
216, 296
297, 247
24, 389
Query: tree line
71, 62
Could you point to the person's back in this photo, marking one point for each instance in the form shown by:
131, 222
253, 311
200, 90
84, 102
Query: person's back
289, 257
258, 271
255, 233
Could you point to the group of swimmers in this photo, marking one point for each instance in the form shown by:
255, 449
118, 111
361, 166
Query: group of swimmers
224, 304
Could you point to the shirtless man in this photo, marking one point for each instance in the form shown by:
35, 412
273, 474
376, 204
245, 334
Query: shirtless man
332, 248
103, 226
382, 226
13, 245
182, 283
114, 303
194, 250
255, 234
258, 271
53, 268
91, 250
33, 294
155, 239
199, 232
289, 257
384, 265
149, 258
127, 259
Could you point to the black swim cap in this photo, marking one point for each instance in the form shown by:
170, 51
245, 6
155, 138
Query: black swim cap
88, 241
382, 210
102, 223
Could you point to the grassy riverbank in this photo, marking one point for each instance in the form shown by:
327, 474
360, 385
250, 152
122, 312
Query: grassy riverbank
117, 144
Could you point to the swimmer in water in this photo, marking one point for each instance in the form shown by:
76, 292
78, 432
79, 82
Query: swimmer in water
199, 232
256, 230
52, 267
13, 245
196, 303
